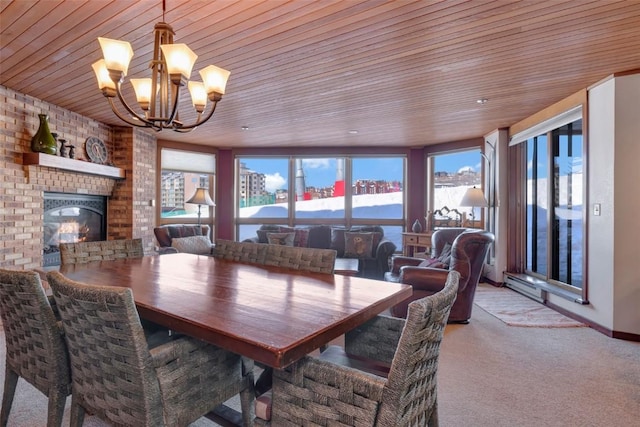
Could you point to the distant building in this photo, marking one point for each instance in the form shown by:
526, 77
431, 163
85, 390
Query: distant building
253, 190
369, 186
172, 188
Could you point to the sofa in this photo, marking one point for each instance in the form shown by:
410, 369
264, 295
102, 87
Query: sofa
366, 243
453, 249
189, 238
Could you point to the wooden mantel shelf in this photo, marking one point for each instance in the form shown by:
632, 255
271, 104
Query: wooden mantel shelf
41, 159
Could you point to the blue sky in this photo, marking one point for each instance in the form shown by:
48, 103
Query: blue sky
321, 172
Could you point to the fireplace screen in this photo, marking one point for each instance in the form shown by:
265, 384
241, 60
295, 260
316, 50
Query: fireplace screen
71, 218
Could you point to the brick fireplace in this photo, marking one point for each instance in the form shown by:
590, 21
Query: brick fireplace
71, 218
22, 186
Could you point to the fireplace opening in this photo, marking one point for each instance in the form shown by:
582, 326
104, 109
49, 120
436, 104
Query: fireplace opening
71, 218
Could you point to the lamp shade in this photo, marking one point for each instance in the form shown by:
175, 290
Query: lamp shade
179, 58
117, 54
201, 197
474, 197
215, 79
102, 74
198, 95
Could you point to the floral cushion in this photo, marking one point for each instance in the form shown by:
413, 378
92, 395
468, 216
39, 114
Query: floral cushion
358, 245
200, 245
285, 239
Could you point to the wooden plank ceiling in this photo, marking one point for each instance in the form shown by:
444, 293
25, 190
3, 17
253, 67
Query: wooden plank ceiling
305, 73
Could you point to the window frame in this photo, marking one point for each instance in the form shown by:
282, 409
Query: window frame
556, 116
210, 219
291, 220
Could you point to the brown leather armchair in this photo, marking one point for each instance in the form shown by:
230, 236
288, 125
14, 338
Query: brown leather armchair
468, 252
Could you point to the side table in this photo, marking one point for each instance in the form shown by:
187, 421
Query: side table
416, 244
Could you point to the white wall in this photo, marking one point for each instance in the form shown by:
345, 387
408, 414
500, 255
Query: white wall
614, 183
497, 140
626, 234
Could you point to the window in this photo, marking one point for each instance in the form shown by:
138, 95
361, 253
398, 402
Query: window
451, 174
182, 173
319, 188
554, 217
314, 190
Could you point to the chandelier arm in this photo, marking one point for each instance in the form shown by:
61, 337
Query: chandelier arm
124, 118
133, 113
199, 121
167, 124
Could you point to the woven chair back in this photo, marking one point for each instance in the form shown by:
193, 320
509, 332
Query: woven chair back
411, 398
297, 258
83, 252
248, 253
35, 346
111, 368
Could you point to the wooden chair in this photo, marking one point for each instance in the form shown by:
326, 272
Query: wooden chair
84, 252
35, 347
122, 379
329, 390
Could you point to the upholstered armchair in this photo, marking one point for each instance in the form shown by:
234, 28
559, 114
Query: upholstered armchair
468, 252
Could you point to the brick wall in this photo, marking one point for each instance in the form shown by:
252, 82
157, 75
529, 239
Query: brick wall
130, 212
22, 187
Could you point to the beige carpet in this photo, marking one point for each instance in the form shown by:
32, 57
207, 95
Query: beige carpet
517, 310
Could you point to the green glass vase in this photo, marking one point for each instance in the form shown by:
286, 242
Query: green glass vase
43, 141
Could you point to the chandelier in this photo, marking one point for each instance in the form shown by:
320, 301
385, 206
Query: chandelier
170, 70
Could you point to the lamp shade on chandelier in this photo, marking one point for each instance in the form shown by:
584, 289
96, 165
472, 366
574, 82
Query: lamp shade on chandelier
158, 96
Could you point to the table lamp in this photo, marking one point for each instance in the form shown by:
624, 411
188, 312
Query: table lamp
201, 197
474, 198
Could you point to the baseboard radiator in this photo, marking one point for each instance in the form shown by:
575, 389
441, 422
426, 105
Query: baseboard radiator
537, 289
524, 287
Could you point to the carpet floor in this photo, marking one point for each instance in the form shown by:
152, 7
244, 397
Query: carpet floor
491, 375
517, 310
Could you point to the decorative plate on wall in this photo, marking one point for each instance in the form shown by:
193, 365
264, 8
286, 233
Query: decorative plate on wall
96, 150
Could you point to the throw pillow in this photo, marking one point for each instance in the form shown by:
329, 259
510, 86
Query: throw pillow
184, 231
301, 239
262, 232
445, 255
432, 262
338, 241
285, 239
358, 245
199, 245
377, 232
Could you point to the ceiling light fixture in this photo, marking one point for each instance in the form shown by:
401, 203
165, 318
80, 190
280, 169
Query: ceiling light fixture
170, 70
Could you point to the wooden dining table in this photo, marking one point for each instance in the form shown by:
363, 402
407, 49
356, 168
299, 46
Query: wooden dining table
270, 314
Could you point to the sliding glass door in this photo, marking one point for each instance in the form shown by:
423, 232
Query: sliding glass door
554, 214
